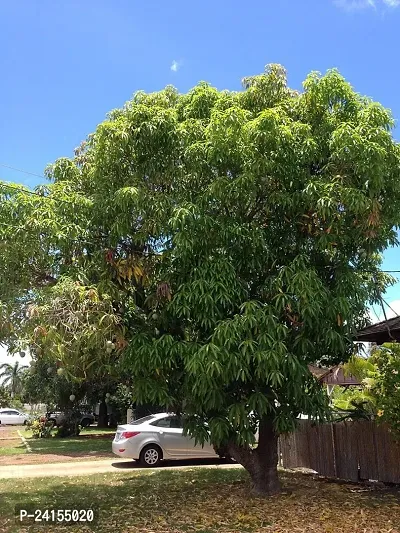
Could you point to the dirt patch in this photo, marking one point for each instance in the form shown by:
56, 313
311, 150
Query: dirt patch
36, 458
9, 432
10, 442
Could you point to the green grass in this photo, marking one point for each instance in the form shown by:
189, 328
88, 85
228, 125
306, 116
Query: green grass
85, 443
10, 442
55, 445
12, 449
203, 501
93, 430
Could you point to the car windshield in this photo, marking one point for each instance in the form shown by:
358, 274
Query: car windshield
142, 420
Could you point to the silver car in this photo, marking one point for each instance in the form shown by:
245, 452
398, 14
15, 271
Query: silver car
156, 437
10, 416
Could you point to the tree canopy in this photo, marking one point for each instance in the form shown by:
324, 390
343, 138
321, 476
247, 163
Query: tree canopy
212, 244
379, 396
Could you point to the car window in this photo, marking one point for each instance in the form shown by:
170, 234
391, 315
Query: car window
176, 422
142, 420
9, 413
169, 422
162, 423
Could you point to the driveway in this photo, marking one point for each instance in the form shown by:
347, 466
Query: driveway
82, 468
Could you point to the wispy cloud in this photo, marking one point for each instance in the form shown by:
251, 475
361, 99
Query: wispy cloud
176, 65
355, 5
358, 5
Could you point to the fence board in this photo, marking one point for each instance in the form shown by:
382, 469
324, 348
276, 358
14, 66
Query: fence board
344, 450
388, 456
368, 449
294, 448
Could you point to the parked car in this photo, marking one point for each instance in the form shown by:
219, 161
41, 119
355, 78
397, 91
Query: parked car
156, 437
10, 416
57, 417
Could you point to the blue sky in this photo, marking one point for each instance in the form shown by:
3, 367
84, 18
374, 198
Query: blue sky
65, 64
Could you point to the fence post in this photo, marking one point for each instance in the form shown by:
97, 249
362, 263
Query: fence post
334, 450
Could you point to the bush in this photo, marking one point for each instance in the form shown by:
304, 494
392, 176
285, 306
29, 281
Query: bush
385, 385
70, 426
41, 428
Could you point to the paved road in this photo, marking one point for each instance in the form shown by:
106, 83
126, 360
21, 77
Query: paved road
82, 468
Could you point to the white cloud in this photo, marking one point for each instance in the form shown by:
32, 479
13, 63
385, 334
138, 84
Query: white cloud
358, 5
175, 66
354, 5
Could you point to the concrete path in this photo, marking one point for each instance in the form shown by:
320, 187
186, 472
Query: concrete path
83, 468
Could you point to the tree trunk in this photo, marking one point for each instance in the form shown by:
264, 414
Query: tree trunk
103, 417
261, 462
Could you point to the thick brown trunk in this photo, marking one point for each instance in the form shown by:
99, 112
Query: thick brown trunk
261, 462
103, 417
265, 472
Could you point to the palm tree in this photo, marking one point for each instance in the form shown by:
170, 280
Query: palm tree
12, 376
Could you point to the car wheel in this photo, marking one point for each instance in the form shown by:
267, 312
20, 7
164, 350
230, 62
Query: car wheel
150, 456
85, 422
25, 422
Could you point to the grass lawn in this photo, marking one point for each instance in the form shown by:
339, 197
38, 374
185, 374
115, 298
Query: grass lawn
93, 430
68, 445
12, 447
203, 501
10, 443
90, 441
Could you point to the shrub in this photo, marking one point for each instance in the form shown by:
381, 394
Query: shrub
70, 426
40, 427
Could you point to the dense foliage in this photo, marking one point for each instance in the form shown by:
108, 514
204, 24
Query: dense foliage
385, 385
379, 396
12, 376
5, 397
212, 244
44, 383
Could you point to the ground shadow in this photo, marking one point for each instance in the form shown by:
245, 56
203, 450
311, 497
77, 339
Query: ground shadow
126, 465
204, 500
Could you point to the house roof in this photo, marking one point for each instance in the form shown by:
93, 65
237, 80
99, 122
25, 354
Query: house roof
385, 331
318, 371
333, 376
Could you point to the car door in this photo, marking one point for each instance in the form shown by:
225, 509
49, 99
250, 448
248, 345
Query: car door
14, 416
170, 433
20, 418
8, 417
198, 450
4, 417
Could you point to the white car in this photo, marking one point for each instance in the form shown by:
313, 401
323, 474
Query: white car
10, 416
156, 437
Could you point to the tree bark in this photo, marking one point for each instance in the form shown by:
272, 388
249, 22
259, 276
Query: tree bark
103, 416
261, 462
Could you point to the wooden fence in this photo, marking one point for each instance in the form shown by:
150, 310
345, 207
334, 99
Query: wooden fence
352, 451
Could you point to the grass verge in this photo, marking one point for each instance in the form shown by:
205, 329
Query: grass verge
70, 445
10, 443
12, 447
92, 443
203, 501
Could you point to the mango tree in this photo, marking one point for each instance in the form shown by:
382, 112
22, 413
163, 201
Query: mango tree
212, 244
